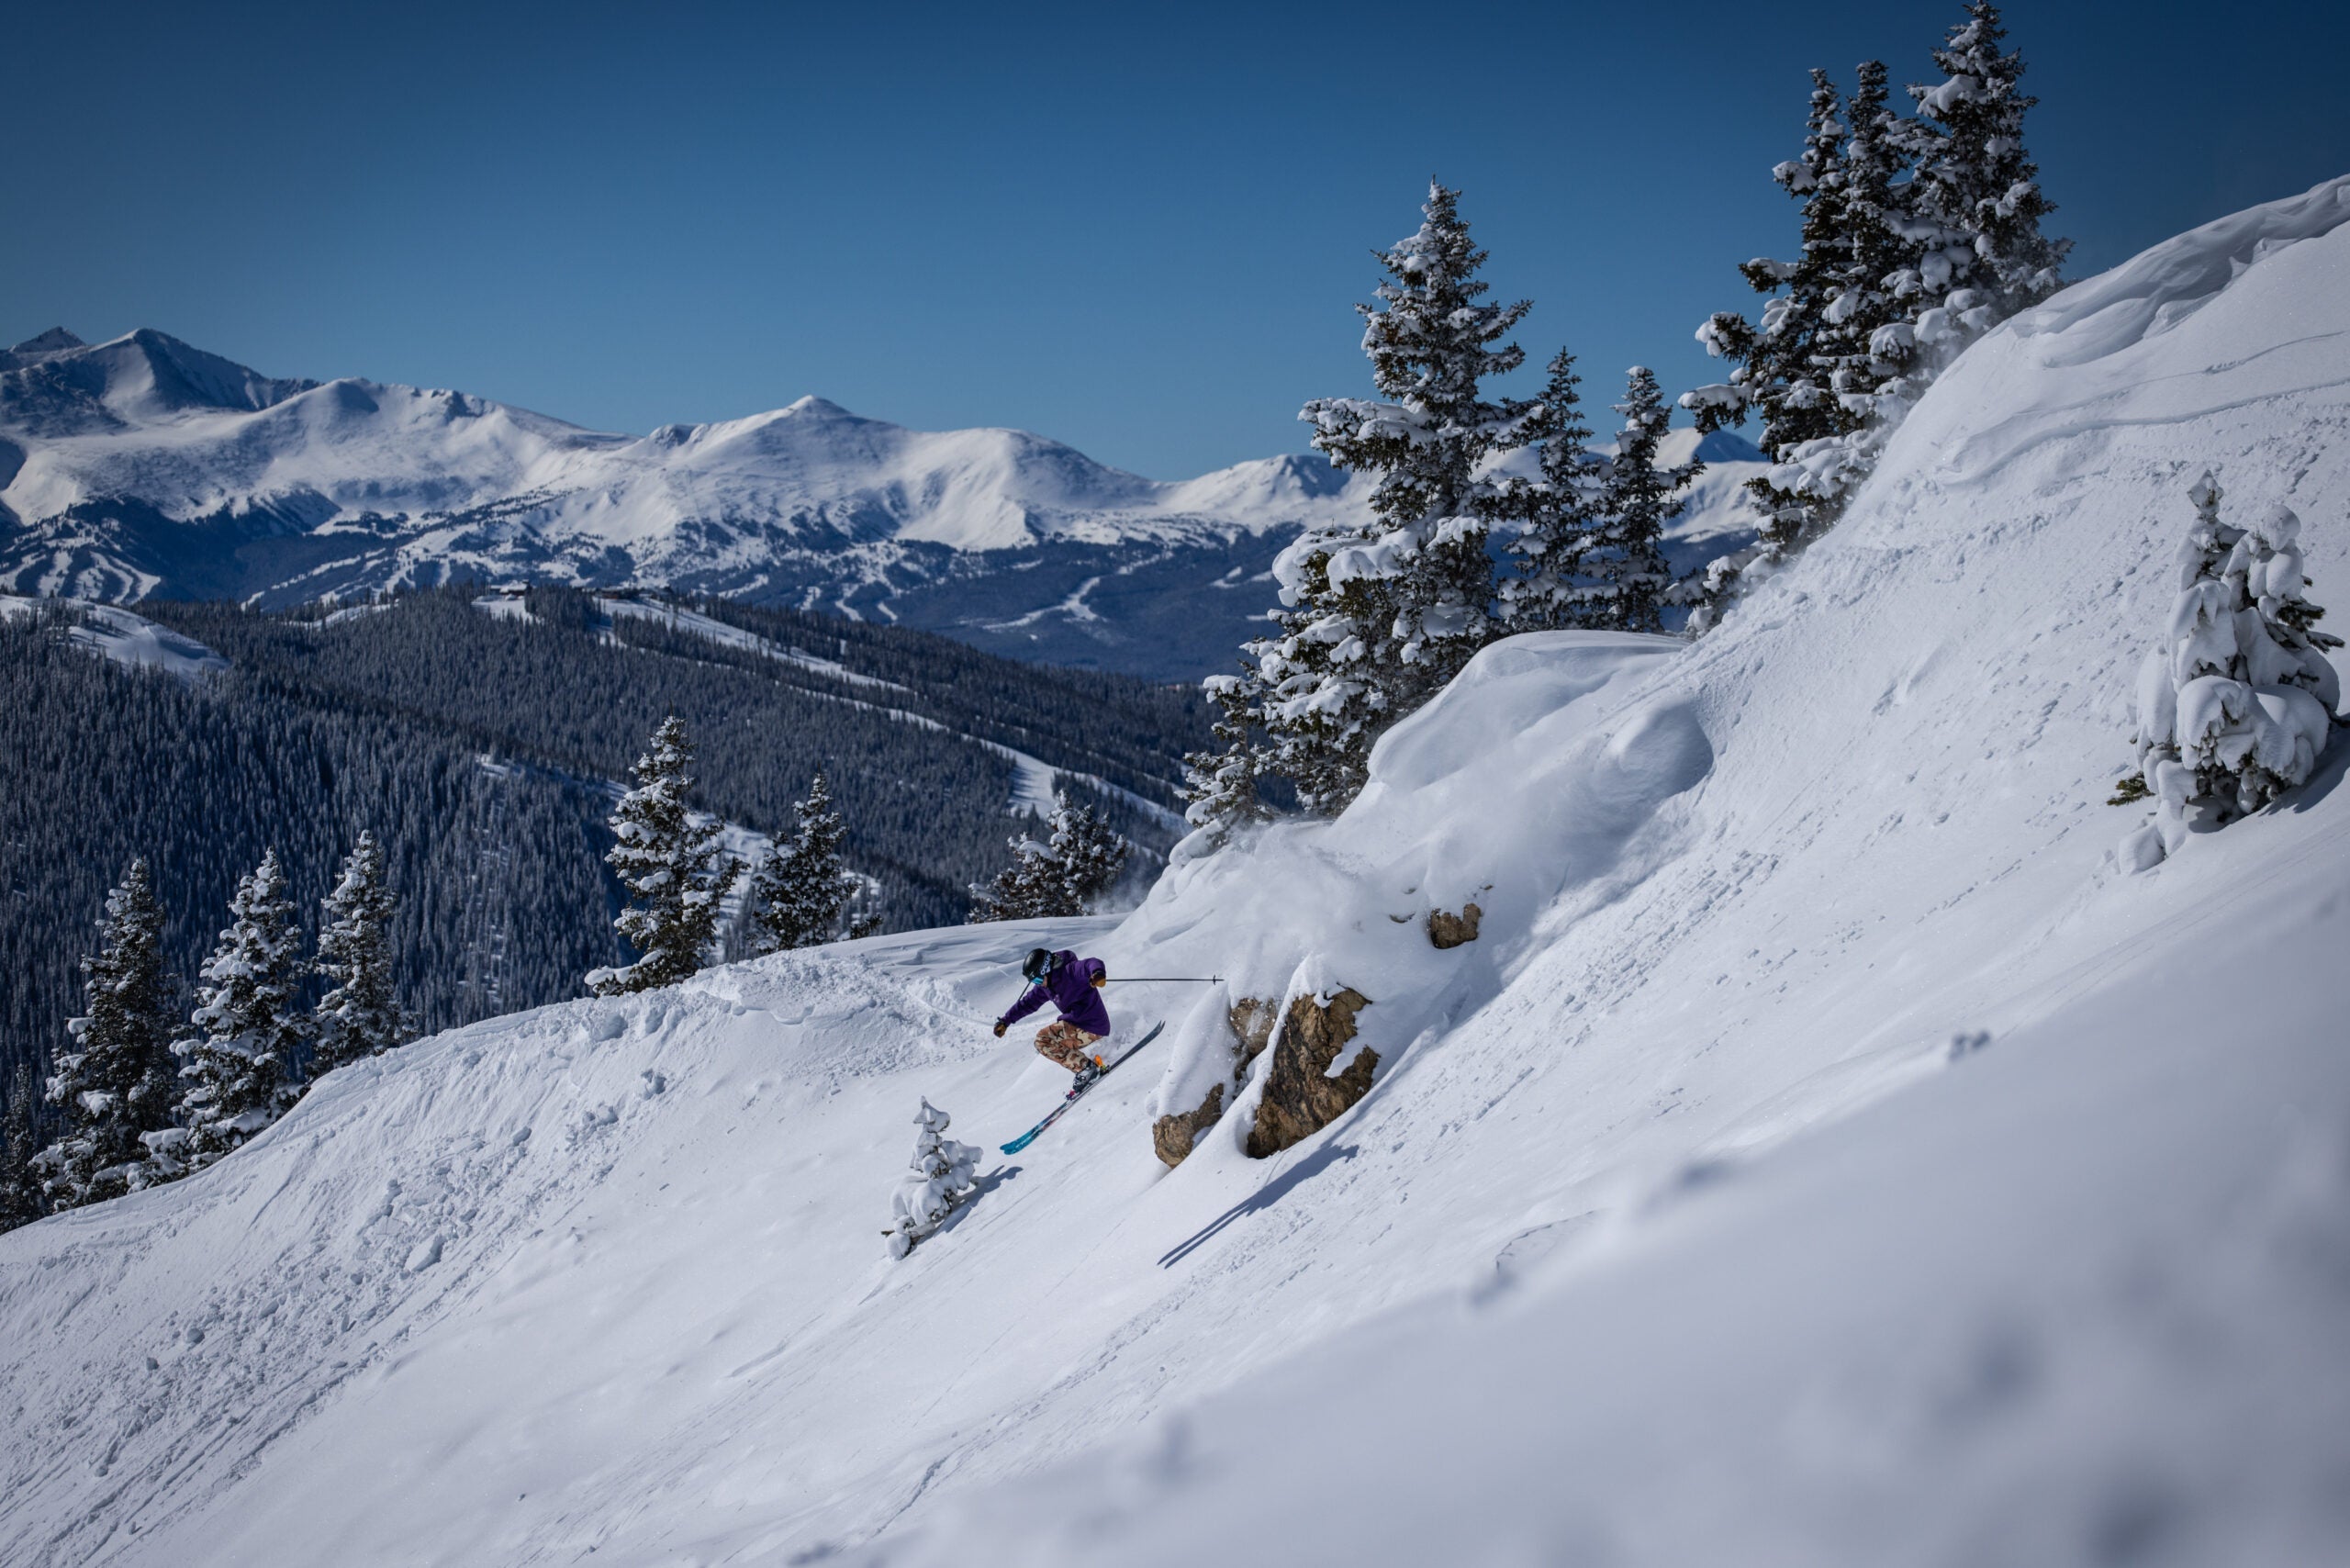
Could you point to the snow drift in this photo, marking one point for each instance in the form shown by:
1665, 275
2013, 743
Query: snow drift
1824, 1153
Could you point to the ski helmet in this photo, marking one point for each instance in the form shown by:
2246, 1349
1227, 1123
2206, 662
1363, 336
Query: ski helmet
1039, 963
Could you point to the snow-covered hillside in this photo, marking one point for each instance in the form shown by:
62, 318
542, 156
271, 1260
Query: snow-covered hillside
144, 465
1822, 1153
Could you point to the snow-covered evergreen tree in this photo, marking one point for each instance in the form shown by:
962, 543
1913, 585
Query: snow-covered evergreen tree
1978, 187
114, 1083
1220, 784
939, 1177
1556, 515
1025, 890
1058, 879
676, 871
1087, 853
22, 1200
802, 888
359, 1016
1777, 373
1377, 618
2236, 702
1624, 562
1868, 342
235, 1070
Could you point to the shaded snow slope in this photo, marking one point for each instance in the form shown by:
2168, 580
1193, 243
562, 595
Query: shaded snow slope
1822, 1156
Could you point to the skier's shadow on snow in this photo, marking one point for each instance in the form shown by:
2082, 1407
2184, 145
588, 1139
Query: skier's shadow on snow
980, 1188
1265, 1197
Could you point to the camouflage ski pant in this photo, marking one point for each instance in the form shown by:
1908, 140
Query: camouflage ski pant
1066, 1044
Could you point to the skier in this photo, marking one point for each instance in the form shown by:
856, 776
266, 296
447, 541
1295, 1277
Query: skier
1072, 984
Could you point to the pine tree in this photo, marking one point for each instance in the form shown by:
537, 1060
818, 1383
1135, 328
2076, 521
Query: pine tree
1220, 784
1025, 890
115, 1084
1977, 186
939, 1177
237, 1069
22, 1200
2236, 702
1625, 560
676, 871
802, 889
1776, 373
1869, 339
359, 1016
1086, 853
1058, 878
1377, 618
1556, 515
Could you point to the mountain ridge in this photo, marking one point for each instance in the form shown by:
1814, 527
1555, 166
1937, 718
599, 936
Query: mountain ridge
143, 466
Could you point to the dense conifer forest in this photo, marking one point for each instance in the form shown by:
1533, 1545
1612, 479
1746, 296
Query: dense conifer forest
481, 750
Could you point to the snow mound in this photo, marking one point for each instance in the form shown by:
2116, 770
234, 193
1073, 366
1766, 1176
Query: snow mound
1822, 1153
2156, 290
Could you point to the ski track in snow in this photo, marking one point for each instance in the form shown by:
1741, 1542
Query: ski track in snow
1823, 1156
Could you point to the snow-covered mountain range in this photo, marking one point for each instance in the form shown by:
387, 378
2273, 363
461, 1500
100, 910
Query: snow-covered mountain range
144, 465
1824, 1152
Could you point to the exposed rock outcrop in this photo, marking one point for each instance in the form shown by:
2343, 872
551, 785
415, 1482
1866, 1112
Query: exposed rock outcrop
1448, 930
1299, 1099
1172, 1137
1253, 1018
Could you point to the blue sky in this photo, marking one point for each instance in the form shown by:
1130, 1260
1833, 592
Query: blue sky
1137, 230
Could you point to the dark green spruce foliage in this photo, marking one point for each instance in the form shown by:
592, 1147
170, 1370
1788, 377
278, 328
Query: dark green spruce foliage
1377, 618
22, 1200
1557, 516
1625, 561
676, 869
237, 1069
116, 1081
359, 1015
802, 889
1776, 372
1060, 878
1977, 180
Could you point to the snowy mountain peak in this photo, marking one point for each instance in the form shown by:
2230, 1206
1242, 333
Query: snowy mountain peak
142, 378
57, 340
144, 465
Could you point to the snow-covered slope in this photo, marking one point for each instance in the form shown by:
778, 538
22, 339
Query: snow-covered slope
1821, 1156
130, 639
143, 465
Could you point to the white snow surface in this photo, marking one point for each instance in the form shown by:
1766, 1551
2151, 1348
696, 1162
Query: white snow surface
130, 639
1824, 1155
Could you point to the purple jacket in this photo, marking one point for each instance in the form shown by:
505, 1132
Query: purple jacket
1070, 988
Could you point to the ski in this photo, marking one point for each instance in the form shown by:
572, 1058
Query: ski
1025, 1139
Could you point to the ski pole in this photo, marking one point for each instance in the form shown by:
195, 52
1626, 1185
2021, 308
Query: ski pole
1171, 980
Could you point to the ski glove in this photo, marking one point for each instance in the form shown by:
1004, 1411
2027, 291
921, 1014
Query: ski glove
998, 1031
